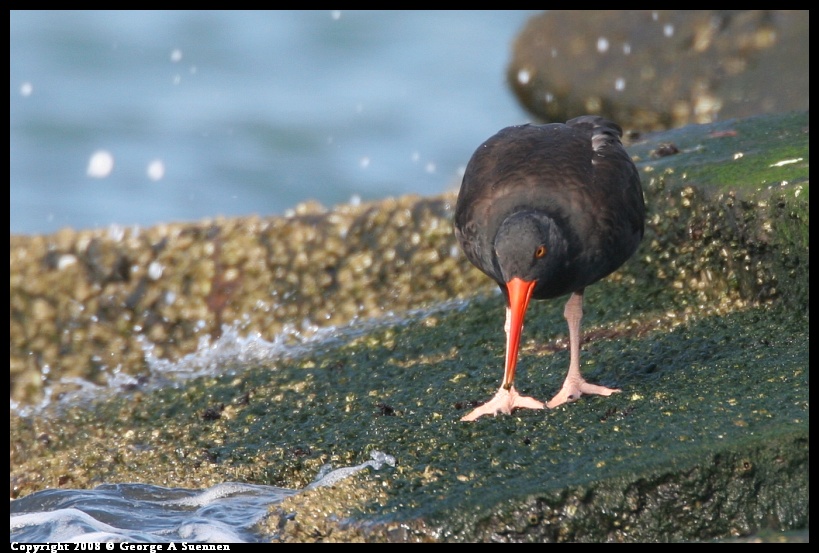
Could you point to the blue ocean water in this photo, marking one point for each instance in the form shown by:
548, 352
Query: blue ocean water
137, 118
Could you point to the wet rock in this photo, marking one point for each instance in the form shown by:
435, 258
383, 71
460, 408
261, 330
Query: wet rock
651, 70
706, 330
83, 302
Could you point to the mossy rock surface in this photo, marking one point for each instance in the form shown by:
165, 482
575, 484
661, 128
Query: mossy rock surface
705, 330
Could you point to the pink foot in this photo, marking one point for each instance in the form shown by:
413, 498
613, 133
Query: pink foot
572, 390
505, 401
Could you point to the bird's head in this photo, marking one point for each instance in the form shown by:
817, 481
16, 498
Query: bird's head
529, 246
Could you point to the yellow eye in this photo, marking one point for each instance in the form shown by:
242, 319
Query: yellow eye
540, 251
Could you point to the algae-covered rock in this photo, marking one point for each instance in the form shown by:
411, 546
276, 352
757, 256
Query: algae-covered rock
92, 303
705, 330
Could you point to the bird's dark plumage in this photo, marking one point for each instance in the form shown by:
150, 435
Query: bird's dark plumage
546, 210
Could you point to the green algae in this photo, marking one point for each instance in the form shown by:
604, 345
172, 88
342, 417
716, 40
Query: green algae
745, 154
705, 330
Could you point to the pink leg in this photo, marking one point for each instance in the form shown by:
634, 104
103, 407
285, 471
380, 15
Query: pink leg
575, 386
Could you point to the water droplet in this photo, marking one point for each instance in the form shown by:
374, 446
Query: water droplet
156, 170
155, 270
66, 260
100, 164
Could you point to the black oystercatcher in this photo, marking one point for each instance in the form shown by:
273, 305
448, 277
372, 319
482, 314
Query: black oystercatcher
546, 210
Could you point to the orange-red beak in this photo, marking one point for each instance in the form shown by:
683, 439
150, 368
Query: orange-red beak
519, 292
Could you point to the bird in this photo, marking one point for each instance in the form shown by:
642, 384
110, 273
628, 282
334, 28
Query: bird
545, 211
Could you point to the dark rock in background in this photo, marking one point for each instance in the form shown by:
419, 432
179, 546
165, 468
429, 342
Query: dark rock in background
650, 70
